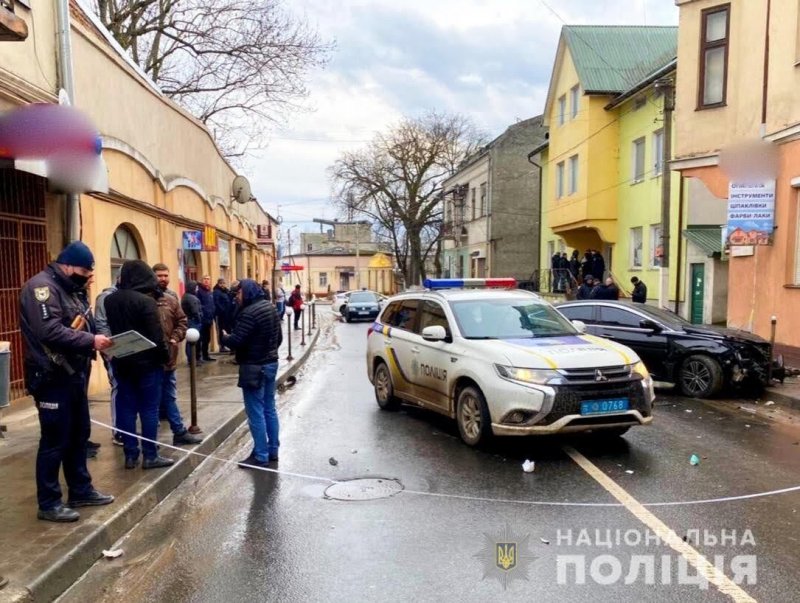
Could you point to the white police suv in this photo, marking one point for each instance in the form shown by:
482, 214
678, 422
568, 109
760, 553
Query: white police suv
502, 361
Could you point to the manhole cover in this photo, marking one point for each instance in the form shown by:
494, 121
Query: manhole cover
364, 489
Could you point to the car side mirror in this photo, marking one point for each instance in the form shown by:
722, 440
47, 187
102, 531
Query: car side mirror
579, 325
651, 325
434, 333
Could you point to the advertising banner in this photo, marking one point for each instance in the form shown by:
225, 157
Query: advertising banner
751, 213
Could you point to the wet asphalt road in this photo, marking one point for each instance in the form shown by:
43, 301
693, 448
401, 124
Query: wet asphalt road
232, 535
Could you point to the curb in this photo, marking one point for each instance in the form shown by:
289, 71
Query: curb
65, 571
781, 399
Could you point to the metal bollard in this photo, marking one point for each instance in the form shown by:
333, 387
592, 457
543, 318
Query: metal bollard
774, 323
192, 336
289, 334
303, 326
310, 308
314, 312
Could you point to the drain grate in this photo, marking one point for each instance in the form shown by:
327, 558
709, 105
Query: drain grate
364, 489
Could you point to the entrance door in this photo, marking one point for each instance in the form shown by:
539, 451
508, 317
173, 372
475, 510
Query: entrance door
698, 292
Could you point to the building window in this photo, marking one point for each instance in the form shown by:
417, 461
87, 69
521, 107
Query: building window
655, 246
323, 279
474, 204
574, 100
573, 174
638, 160
560, 180
658, 152
636, 247
562, 110
551, 249
483, 207
123, 247
714, 40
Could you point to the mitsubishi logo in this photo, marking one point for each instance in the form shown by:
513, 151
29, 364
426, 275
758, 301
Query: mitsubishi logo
599, 376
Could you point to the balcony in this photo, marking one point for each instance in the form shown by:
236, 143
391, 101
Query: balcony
12, 27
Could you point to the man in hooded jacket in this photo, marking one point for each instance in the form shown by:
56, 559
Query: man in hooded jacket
139, 376
191, 306
256, 339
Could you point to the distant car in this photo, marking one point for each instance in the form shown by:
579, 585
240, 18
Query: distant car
699, 359
502, 362
339, 300
361, 305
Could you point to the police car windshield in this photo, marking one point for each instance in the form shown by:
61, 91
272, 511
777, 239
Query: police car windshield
362, 297
509, 319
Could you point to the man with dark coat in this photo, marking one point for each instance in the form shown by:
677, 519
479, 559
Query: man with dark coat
575, 265
563, 272
598, 266
191, 306
139, 376
608, 291
639, 294
256, 339
296, 304
585, 290
586, 264
222, 309
209, 312
555, 267
58, 346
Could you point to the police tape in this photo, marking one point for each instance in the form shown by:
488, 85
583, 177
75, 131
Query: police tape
466, 497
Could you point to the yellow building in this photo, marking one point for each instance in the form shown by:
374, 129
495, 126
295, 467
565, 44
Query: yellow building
601, 77
166, 177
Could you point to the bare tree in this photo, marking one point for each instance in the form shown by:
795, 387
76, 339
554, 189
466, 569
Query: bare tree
238, 65
396, 182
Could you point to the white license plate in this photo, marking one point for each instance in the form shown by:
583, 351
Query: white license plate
363, 313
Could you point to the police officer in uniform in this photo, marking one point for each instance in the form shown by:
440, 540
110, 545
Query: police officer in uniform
59, 346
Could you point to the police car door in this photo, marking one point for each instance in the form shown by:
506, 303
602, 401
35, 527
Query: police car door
433, 358
402, 346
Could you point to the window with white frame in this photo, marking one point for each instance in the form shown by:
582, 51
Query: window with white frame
574, 101
474, 203
658, 152
714, 42
573, 174
636, 247
562, 110
559, 179
638, 159
655, 246
323, 279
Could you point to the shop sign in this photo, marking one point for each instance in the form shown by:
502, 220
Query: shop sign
193, 240
210, 239
751, 213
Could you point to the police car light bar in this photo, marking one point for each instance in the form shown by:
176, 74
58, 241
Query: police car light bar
462, 283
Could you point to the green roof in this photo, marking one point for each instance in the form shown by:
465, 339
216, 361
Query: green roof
614, 58
707, 238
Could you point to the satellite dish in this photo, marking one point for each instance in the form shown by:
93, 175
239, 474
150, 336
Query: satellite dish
240, 190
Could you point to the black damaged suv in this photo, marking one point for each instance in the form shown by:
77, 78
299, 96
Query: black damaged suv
699, 359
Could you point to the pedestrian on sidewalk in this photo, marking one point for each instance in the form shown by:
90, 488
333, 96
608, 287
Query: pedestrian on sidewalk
140, 376
58, 349
174, 324
256, 339
101, 322
222, 309
191, 306
267, 292
280, 300
296, 303
206, 298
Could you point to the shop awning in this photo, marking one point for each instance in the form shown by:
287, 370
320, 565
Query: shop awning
708, 238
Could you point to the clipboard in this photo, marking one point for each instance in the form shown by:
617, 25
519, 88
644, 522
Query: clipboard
127, 344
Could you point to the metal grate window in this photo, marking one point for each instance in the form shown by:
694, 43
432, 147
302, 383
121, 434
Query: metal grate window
23, 249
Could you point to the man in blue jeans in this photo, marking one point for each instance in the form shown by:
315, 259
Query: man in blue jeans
256, 338
139, 376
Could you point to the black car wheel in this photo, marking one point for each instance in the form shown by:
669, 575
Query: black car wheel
700, 377
384, 390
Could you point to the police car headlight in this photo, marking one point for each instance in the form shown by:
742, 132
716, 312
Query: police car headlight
640, 369
526, 375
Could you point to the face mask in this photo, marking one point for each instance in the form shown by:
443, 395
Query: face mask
78, 279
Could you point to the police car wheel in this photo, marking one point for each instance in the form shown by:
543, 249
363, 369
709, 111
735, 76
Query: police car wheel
384, 390
472, 416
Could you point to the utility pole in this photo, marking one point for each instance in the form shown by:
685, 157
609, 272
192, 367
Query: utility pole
667, 87
67, 83
358, 263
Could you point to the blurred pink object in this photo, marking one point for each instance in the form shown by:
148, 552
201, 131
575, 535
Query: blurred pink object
41, 131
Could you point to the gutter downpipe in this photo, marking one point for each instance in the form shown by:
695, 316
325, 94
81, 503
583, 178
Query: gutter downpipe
539, 200
681, 265
67, 83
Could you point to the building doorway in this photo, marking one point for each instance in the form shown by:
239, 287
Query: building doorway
191, 264
698, 292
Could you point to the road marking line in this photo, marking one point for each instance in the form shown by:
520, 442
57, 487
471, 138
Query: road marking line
725, 585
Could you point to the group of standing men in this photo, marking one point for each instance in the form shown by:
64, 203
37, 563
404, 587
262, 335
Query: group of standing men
62, 336
567, 272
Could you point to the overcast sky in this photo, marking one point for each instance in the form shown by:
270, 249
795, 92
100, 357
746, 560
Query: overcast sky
488, 59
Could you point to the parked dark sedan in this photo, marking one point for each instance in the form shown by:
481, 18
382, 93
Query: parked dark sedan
699, 359
361, 305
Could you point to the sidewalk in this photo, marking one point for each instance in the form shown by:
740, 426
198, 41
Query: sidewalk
41, 559
786, 394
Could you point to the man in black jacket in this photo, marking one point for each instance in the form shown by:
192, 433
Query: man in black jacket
58, 347
191, 306
222, 309
256, 339
140, 376
585, 290
639, 294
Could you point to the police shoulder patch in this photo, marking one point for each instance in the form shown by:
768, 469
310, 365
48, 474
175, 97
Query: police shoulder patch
42, 294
